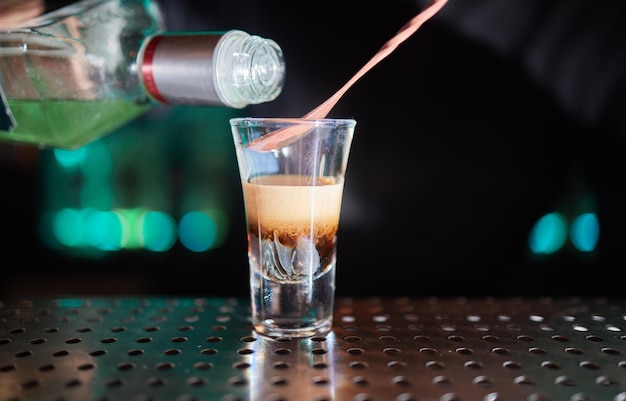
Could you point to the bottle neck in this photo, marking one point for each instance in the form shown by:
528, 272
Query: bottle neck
233, 69
178, 69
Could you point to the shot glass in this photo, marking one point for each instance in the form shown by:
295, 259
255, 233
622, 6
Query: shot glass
292, 196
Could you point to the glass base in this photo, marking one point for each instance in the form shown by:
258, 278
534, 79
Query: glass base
273, 330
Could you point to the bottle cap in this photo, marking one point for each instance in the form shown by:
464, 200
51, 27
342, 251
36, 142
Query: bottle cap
233, 69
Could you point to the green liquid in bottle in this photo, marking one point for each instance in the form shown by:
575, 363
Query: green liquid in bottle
68, 124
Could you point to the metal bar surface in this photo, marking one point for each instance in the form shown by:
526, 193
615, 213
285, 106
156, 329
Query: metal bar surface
380, 349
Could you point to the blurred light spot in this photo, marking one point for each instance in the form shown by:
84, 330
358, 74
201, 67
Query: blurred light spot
67, 227
585, 232
548, 234
69, 303
104, 230
131, 234
159, 231
69, 159
197, 231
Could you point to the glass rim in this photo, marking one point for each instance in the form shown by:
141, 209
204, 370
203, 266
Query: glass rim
350, 122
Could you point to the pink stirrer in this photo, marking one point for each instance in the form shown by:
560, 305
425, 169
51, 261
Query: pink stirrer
284, 136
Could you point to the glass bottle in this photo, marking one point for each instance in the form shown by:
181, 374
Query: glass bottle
77, 72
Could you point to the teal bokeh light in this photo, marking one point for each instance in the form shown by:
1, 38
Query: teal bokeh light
105, 230
67, 227
549, 234
197, 231
118, 229
69, 303
87, 227
159, 231
70, 159
585, 232
116, 193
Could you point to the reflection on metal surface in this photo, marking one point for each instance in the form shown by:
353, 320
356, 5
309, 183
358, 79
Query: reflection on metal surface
293, 369
396, 349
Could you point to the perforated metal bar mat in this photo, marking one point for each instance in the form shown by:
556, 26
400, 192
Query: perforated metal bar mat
397, 349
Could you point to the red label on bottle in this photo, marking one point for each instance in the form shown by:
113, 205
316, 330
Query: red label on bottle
147, 69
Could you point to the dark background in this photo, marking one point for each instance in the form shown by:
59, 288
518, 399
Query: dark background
493, 114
